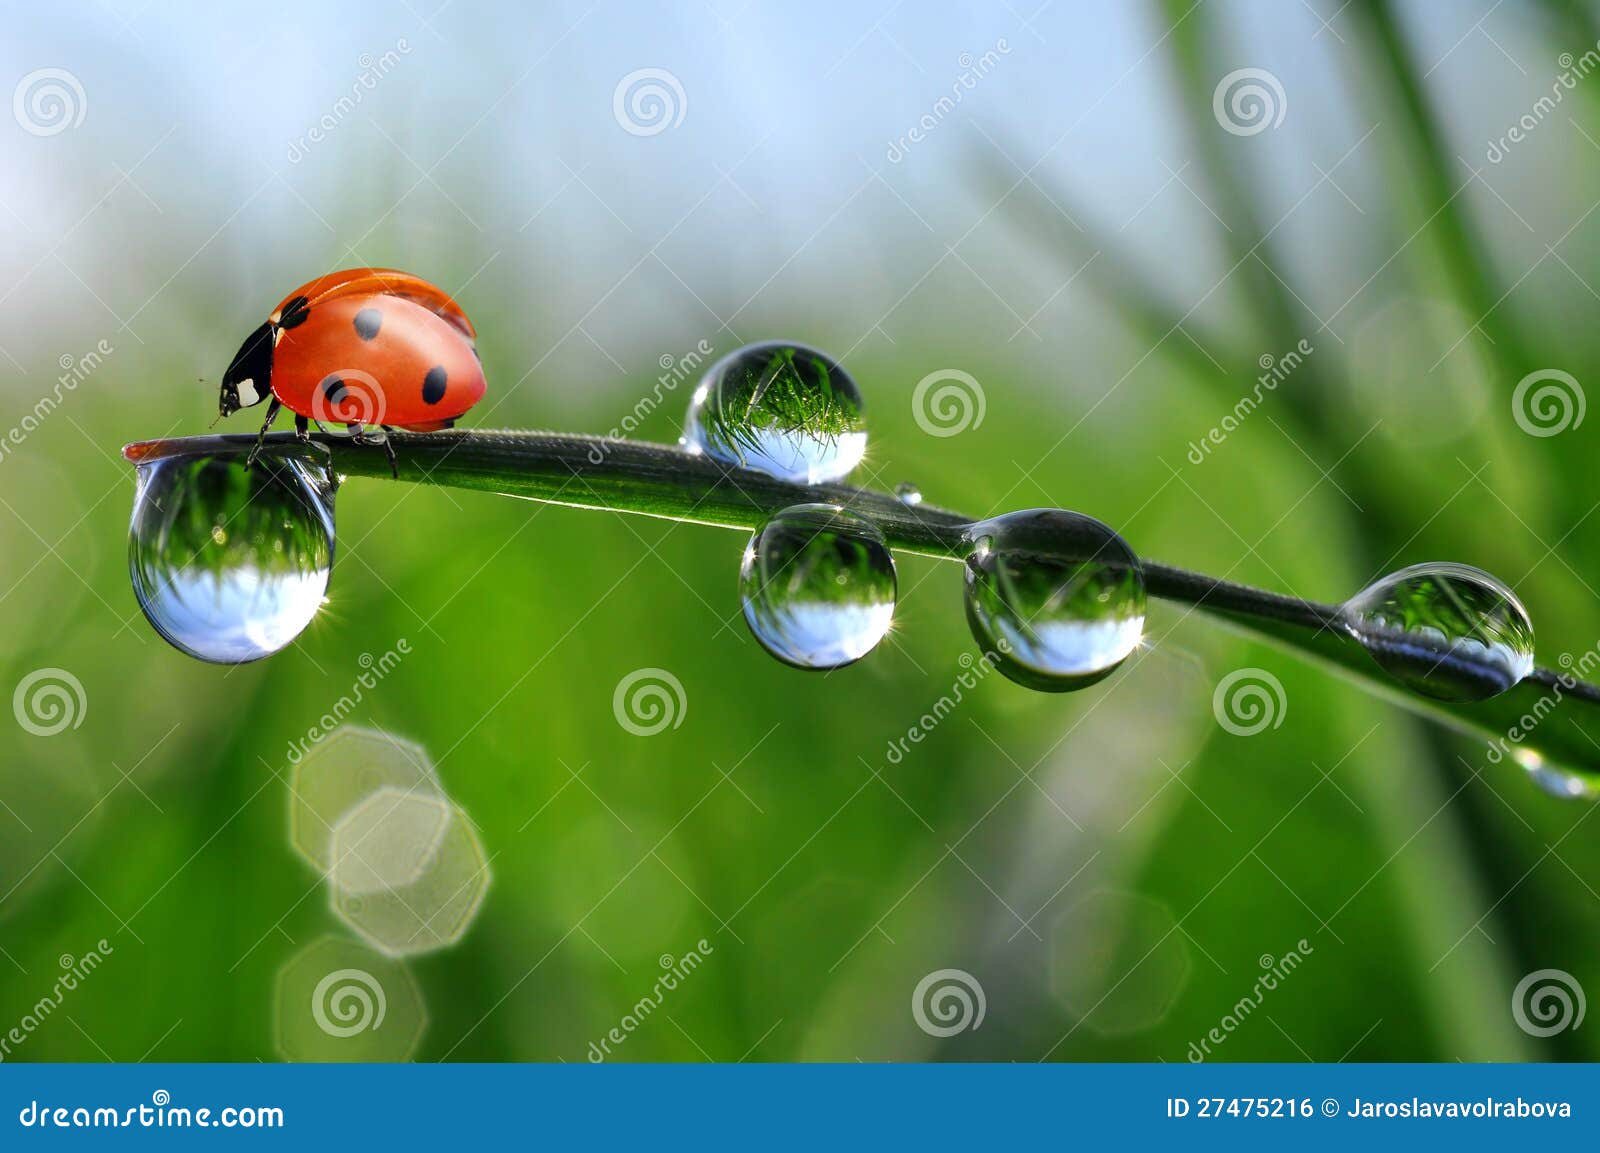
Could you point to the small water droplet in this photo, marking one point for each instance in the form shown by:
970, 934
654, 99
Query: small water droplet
230, 563
908, 493
1447, 631
783, 409
817, 586
1056, 599
1556, 782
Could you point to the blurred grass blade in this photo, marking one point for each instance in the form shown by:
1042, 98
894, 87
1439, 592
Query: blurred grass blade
1443, 184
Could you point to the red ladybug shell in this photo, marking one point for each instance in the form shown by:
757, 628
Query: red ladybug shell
382, 282
375, 347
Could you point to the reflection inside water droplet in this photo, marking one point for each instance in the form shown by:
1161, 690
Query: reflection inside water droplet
908, 494
230, 563
818, 586
1447, 631
783, 409
1056, 599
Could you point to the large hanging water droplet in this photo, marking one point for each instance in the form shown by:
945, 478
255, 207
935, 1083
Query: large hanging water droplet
1447, 631
783, 409
1055, 598
230, 563
817, 586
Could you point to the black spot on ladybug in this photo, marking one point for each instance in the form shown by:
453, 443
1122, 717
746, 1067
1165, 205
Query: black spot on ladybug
333, 390
433, 384
295, 312
367, 322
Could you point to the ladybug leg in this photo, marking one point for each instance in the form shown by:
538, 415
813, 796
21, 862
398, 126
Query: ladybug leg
272, 415
359, 435
302, 433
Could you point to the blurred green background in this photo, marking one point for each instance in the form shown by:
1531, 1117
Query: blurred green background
1083, 234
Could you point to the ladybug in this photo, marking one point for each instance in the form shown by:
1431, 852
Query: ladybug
363, 347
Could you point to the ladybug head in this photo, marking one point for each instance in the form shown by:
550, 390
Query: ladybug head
248, 380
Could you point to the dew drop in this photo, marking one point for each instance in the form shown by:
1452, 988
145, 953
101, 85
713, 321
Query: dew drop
1557, 782
783, 409
1056, 599
230, 563
908, 494
1447, 631
817, 586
